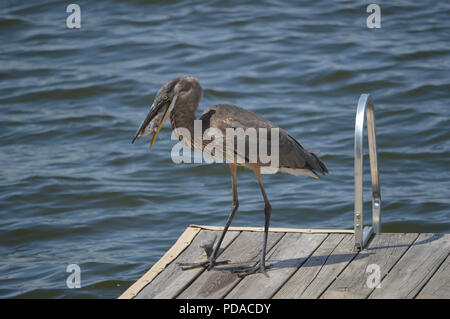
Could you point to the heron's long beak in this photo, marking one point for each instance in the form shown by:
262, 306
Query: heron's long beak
146, 122
155, 135
148, 125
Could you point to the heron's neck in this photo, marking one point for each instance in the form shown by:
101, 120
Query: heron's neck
184, 116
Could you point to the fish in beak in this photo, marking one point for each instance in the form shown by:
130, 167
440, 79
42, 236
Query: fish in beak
156, 117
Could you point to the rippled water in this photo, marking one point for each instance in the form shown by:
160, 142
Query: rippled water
73, 190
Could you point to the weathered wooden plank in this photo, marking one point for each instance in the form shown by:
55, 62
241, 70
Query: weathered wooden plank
415, 267
278, 229
438, 287
217, 282
312, 279
170, 282
182, 243
285, 258
383, 251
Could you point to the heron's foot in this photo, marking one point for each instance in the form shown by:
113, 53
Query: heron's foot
209, 264
252, 270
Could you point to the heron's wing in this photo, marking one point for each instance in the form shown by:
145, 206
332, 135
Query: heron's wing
291, 153
244, 134
247, 126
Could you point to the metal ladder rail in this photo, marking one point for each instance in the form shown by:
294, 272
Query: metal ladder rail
365, 107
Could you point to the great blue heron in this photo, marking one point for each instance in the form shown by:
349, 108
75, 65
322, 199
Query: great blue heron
178, 100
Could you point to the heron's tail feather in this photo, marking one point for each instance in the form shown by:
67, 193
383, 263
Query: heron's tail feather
320, 167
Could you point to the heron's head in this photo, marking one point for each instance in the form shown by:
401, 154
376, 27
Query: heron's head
173, 94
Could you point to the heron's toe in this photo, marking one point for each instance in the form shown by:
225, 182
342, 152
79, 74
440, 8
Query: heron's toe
252, 270
187, 266
208, 264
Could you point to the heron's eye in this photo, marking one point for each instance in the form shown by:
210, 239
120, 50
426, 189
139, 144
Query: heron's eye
165, 97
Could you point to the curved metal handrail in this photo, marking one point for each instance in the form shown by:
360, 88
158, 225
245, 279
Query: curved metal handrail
365, 106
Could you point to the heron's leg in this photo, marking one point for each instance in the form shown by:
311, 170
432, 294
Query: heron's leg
267, 211
234, 207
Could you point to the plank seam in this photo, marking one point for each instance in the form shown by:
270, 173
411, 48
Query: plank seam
177, 248
387, 272
393, 266
434, 273
335, 278
321, 266
204, 269
256, 263
281, 286
431, 276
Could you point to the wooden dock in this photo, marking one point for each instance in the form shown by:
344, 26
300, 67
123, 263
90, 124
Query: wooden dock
305, 263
